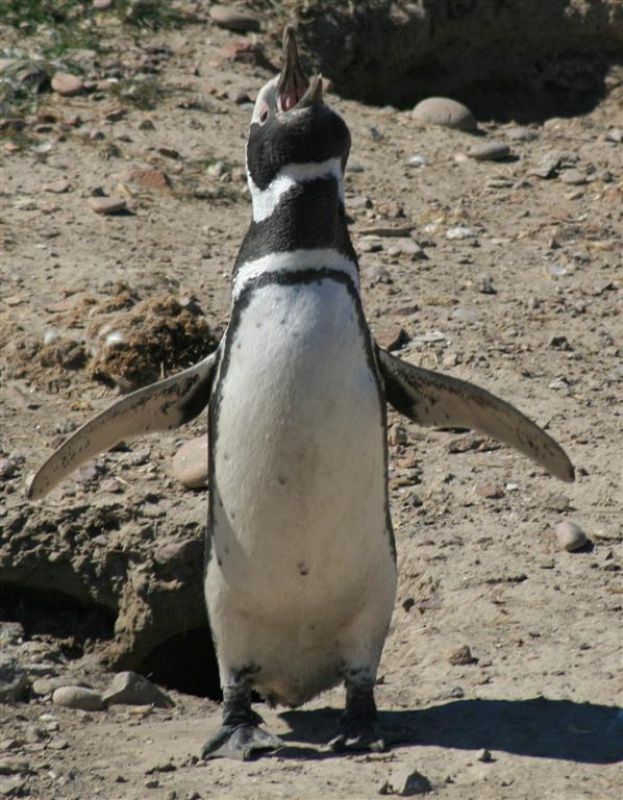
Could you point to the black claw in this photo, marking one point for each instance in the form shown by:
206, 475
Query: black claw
241, 742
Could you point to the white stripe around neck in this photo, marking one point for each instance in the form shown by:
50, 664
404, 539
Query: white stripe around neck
294, 261
266, 200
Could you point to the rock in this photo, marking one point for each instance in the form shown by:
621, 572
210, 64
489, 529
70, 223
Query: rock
416, 161
9, 765
57, 187
11, 632
570, 536
614, 135
107, 205
547, 167
445, 112
462, 656
102, 5
43, 686
573, 177
239, 97
234, 19
190, 463
460, 232
484, 284
66, 84
489, 151
490, 491
133, 689
407, 782
485, 756
14, 683
521, 134
78, 697
154, 179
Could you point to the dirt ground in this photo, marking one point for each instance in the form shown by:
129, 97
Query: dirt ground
500, 275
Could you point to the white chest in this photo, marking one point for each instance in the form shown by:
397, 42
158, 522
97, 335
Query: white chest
298, 485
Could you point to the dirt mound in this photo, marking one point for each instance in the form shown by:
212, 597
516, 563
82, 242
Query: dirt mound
119, 339
396, 53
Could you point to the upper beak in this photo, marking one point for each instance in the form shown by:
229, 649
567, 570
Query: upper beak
293, 88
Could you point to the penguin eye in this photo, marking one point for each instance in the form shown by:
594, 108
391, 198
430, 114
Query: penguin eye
263, 114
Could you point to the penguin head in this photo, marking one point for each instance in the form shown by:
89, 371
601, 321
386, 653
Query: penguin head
291, 123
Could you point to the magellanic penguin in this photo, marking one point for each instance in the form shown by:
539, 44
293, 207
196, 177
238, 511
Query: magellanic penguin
300, 574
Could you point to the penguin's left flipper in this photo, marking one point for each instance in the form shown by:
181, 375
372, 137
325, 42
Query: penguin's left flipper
430, 398
160, 407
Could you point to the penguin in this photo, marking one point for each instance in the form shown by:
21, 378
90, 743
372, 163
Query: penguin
300, 567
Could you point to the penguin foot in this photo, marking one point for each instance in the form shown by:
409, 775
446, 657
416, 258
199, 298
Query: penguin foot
358, 738
241, 742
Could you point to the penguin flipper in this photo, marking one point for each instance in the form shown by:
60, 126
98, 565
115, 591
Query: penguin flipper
430, 398
161, 406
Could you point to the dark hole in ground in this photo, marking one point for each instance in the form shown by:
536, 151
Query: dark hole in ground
48, 615
185, 662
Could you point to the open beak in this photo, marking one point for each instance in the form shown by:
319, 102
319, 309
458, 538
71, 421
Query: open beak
293, 89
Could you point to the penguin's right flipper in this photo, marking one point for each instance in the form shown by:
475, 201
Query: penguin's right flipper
160, 407
431, 398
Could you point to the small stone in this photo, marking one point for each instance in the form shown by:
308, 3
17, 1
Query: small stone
560, 343
570, 536
521, 134
489, 151
485, 756
615, 135
57, 187
78, 697
462, 656
66, 84
234, 19
102, 5
445, 112
107, 205
130, 688
484, 284
573, 177
490, 491
558, 502
460, 232
548, 166
56, 743
416, 161
14, 683
408, 782
190, 463
9, 765
43, 686
154, 179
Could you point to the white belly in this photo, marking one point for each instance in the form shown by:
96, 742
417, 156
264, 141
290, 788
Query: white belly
300, 549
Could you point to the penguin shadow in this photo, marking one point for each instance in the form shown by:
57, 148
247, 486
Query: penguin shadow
562, 729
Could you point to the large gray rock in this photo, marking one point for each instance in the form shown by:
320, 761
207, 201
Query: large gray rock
133, 689
14, 682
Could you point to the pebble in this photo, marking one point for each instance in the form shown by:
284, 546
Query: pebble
460, 232
445, 112
489, 151
190, 463
234, 19
66, 84
570, 536
573, 177
416, 161
484, 284
130, 688
107, 205
57, 187
43, 686
547, 167
521, 134
485, 756
461, 656
615, 135
9, 765
14, 682
78, 697
406, 782
154, 179
102, 5
489, 491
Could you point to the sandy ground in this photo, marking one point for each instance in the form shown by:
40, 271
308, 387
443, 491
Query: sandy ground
526, 305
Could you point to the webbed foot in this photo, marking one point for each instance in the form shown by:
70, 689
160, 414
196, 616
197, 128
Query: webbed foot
241, 742
358, 729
